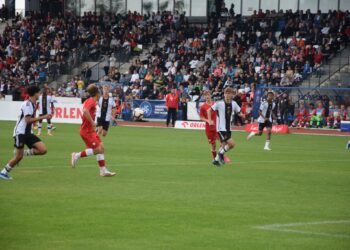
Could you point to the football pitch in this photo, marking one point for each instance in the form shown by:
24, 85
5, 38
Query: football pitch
167, 195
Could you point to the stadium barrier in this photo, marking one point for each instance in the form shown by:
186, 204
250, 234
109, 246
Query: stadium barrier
64, 112
276, 129
190, 125
153, 109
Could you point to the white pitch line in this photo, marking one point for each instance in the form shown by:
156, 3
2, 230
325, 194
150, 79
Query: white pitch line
282, 228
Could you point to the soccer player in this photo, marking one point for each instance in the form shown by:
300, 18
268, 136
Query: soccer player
23, 134
89, 135
265, 119
45, 106
210, 130
224, 110
106, 111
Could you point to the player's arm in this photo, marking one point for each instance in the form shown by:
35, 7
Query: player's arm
114, 112
88, 117
209, 112
29, 119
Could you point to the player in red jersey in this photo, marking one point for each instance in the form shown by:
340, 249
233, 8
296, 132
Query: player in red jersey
210, 130
89, 135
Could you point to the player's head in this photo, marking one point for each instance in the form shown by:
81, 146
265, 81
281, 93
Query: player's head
33, 91
312, 106
228, 94
207, 95
93, 91
270, 96
105, 89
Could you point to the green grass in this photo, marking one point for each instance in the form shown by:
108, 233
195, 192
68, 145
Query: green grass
168, 196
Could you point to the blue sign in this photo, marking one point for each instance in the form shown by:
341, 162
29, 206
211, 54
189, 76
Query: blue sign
153, 109
256, 103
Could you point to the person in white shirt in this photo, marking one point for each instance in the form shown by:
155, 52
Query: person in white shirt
265, 119
45, 106
135, 77
224, 110
23, 134
106, 110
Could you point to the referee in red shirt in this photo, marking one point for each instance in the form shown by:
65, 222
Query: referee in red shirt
172, 104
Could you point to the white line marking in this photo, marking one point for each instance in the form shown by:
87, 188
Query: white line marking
283, 228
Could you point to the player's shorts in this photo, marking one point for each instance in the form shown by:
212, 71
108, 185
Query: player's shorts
212, 135
103, 123
29, 140
224, 135
266, 124
92, 140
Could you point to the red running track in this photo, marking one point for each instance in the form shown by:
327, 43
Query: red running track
328, 132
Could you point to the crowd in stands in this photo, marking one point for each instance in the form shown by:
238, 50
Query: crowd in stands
266, 49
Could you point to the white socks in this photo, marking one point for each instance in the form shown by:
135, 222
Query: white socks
251, 135
224, 149
267, 144
7, 169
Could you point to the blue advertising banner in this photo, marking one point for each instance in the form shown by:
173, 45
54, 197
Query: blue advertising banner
153, 109
257, 99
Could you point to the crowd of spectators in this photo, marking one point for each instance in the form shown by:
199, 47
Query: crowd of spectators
266, 49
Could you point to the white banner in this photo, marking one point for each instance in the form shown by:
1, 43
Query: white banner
64, 112
192, 113
190, 125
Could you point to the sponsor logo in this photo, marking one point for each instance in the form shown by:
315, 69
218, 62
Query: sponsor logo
67, 113
147, 108
184, 124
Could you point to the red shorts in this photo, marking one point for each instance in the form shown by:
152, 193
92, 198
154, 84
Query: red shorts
212, 136
92, 140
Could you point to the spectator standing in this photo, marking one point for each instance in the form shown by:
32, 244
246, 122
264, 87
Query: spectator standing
172, 104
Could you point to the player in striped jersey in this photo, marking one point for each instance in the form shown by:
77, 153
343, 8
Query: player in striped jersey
45, 106
224, 110
265, 119
105, 112
23, 134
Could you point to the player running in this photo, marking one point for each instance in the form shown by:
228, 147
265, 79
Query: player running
106, 111
224, 110
265, 119
210, 130
45, 106
23, 134
89, 135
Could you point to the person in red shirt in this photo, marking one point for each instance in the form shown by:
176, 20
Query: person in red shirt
210, 130
172, 104
89, 135
302, 116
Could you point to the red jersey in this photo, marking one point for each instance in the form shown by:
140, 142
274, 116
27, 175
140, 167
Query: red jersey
172, 101
86, 126
302, 113
203, 113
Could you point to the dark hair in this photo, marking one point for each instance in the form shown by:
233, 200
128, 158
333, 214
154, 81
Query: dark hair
270, 93
92, 89
32, 90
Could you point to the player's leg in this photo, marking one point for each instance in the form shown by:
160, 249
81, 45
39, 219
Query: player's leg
35, 146
268, 138
100, 157
174, 116
168, 117
226, 144
259, 133
49, 127
19, 146
89, 151
40, 125
105, 128
99, 130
